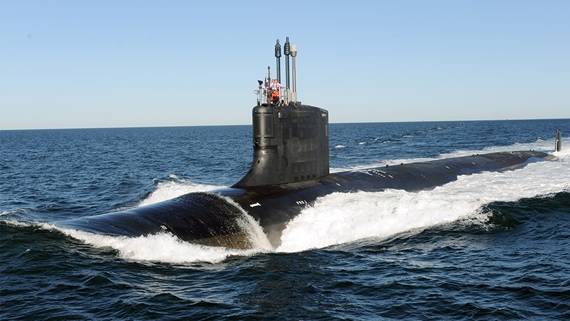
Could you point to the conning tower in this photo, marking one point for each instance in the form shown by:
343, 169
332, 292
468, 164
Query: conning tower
290, 140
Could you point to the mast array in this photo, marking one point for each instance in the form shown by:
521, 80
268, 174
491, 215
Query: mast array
272, 91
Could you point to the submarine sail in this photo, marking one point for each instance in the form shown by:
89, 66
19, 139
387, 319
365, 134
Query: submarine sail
290, 140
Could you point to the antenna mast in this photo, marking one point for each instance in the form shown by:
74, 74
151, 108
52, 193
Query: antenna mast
278, 60
294, 73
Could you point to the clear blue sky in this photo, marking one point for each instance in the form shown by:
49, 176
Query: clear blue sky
160, 63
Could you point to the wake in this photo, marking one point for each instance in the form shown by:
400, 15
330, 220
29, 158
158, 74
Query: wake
346, 217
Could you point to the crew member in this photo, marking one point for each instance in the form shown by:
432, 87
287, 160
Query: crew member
275, 86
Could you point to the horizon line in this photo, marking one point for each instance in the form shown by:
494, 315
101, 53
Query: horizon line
228, 125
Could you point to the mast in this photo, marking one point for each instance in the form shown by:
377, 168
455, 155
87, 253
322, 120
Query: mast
287, 50
278, 60
294, 73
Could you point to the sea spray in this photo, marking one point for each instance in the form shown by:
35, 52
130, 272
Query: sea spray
171, 189
345, 217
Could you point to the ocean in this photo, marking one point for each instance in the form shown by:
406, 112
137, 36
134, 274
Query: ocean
490, 246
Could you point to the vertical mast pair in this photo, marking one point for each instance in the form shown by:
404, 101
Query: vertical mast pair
290, 86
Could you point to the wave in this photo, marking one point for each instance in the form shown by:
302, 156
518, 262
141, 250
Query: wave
161, 247
164, 247
174, 188
346, 217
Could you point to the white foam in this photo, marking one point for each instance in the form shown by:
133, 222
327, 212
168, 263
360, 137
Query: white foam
255, 232
345, 217
162, 247
564, 153
16, 223
172, 189
165, 247
339, 146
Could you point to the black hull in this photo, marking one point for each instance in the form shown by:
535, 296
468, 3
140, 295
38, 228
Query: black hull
211, 218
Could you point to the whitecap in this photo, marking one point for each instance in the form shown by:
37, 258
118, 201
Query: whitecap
345, 217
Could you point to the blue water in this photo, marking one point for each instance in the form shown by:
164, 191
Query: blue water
514, 265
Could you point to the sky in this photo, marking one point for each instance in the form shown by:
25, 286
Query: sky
80, 64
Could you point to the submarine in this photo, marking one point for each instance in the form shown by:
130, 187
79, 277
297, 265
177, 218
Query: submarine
289, 171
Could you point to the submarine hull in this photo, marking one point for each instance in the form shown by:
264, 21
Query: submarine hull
219, 217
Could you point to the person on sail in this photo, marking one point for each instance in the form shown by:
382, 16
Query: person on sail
275, 88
